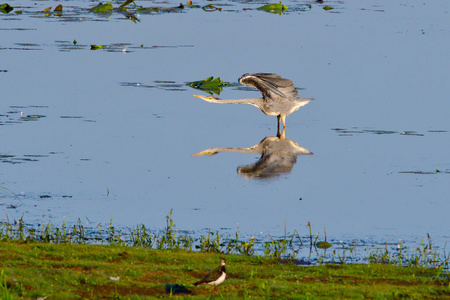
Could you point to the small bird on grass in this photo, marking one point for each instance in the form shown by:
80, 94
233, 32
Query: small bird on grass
215, 277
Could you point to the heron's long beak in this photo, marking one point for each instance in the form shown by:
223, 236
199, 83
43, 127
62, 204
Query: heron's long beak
205, 152
206, 98
198, 96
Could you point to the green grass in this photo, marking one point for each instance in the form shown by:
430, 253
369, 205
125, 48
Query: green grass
68, 271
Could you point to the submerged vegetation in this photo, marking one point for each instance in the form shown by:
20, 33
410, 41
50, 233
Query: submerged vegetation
287, 247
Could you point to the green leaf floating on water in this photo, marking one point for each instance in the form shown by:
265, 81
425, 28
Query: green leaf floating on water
148, 10
211, 7
32, 117
323, 245
275, 7
101, 8
210, 84
326, 7
96, 47
6, 8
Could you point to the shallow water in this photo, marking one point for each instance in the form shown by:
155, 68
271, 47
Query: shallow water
111, 133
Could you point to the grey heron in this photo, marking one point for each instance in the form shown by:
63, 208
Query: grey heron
280, 98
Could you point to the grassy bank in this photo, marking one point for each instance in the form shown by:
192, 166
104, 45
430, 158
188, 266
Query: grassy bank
67, 271
81, 262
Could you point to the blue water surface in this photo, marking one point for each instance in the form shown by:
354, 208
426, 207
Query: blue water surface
110, 133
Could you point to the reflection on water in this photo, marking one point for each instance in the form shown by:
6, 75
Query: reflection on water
278, 156
280, 97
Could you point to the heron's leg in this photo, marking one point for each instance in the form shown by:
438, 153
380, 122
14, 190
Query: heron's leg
283, 120
282, 135
278, 127
278, 122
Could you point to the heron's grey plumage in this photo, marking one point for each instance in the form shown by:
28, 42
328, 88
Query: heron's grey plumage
280, 97
270, 84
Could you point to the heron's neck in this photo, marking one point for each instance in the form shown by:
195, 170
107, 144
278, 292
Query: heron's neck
253, 101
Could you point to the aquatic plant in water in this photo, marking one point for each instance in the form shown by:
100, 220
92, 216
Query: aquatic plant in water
287, 247
274, 7
210, 84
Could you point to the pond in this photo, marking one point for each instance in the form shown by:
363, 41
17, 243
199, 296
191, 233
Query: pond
112, 133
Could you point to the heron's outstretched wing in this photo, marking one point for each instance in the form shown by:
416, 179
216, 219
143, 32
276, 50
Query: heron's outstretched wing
270, 84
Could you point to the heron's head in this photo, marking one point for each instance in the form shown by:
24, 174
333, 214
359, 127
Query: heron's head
242, 77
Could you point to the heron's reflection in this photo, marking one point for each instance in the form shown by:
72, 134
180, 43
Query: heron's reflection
278, 156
